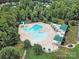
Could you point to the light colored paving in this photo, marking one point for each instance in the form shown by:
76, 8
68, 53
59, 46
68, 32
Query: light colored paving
44, 36
74, 45
24, 55
78, 33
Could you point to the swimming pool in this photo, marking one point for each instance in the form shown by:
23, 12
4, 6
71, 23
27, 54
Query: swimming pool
35, 28
35, 32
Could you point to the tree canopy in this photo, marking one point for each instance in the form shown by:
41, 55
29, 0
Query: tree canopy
8, 30
9, 53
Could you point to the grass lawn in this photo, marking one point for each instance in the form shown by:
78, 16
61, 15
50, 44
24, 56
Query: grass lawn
62, 53
74, 53
31, 55
60, 21
71, 35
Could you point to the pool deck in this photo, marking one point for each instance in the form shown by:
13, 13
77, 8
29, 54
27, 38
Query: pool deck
46, 42
42, 34
45, 29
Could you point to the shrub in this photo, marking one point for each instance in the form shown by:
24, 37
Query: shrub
37, 49
27, 44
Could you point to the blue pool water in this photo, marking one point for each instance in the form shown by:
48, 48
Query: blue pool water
35, 30
36, 27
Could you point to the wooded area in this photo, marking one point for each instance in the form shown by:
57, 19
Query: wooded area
3, 1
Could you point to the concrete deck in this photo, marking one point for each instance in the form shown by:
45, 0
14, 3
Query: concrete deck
46, 43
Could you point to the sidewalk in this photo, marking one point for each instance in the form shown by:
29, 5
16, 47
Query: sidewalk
78, 32
24, 55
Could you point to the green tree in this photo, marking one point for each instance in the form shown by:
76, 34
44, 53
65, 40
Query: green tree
9, 53
64, 9
25, 3
27, 44
37, 49
8, 31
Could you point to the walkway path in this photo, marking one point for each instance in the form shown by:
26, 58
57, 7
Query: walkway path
74, 45
24, 55
78, 32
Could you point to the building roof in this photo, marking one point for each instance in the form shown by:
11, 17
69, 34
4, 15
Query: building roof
64, 27
58, 39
